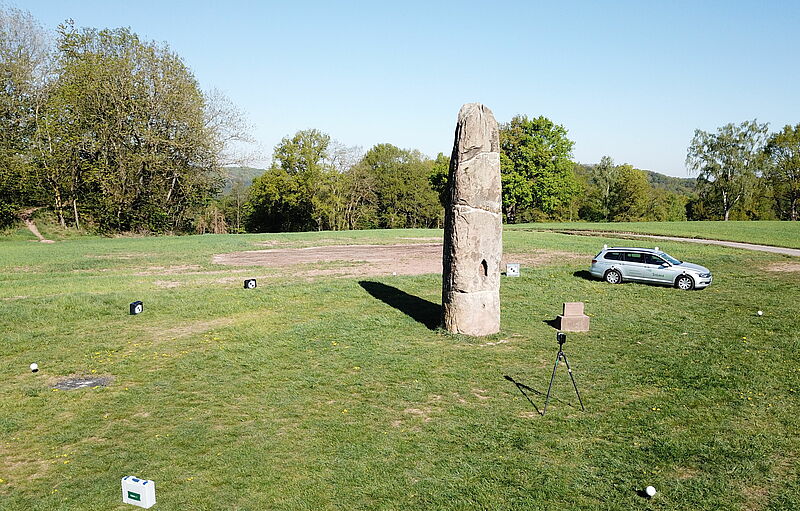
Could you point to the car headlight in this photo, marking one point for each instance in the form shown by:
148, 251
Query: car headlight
705, 275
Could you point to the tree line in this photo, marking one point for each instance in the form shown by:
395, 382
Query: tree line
113, 134
315, 183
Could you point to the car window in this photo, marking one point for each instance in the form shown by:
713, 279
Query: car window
669, 258
654, 259
634, 257
615, 256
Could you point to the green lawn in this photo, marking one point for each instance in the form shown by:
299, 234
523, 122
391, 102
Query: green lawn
779, 234
332, 393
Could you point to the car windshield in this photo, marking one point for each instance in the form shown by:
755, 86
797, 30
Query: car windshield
669, 258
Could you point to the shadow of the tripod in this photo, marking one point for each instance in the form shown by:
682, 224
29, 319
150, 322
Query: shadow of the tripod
523, 388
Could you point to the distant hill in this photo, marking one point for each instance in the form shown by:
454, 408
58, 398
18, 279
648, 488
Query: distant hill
679, 185
243, 175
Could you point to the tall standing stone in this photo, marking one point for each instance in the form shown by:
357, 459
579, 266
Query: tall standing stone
473, 226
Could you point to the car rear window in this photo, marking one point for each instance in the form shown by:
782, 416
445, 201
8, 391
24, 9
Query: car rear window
615, 256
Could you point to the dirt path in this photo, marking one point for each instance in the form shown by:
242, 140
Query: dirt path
368, 260
25, 216
732, 244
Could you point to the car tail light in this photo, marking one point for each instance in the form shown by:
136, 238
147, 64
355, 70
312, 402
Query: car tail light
594, 261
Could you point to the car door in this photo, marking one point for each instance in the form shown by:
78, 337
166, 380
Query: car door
659, 270
634, 267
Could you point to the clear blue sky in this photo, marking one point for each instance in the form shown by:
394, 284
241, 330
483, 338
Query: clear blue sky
631, 80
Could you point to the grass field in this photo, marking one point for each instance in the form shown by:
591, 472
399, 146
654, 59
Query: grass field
335, 393
779, 234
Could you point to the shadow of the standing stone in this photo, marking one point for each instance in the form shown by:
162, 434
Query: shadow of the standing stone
419, 309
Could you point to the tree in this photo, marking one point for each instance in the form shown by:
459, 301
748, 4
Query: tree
727, 162
630, 195
783, 171
535, 166
125, 139
106, 129
604, 177
24, 73
300, 190
666, 206
440, 173
400, 191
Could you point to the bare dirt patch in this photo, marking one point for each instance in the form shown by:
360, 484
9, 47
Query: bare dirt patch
167, 283
82, 382
784, 267
167, 270
25, 216
371, 260
195, 327
422, 414
124, 257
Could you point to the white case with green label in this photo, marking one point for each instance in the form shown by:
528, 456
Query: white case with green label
139, 492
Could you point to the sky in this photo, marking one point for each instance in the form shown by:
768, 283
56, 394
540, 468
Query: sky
631, 80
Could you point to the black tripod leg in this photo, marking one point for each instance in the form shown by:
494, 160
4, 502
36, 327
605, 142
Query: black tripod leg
569, 369
558, 359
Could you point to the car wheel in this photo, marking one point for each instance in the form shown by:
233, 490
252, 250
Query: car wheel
684, 282
613, 277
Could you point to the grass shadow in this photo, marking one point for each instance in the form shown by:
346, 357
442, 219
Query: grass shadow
419, 309
583, 274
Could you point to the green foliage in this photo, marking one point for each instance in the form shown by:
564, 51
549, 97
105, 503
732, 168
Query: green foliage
110, 132
536, 168
401, 192
23, 68
727, 163
621, 193
307, 189
292, 194
123, 138
783, 171
440, 172
680, 185
629, 196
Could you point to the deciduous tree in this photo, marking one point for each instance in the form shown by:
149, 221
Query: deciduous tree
535, 166
783, 171
727, 162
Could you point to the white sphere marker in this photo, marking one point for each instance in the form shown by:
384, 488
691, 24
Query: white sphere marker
760, 313
34, 367
650, 491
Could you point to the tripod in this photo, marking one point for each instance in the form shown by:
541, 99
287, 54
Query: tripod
562, 338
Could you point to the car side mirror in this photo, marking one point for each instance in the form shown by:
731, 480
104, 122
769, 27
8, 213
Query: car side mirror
665, 265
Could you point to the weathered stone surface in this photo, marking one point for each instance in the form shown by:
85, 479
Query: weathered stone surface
573, 319
473, 244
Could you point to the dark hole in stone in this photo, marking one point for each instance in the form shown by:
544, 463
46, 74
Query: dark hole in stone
484, 269
82, 382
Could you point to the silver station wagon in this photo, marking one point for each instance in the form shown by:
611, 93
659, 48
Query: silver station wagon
618, 264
